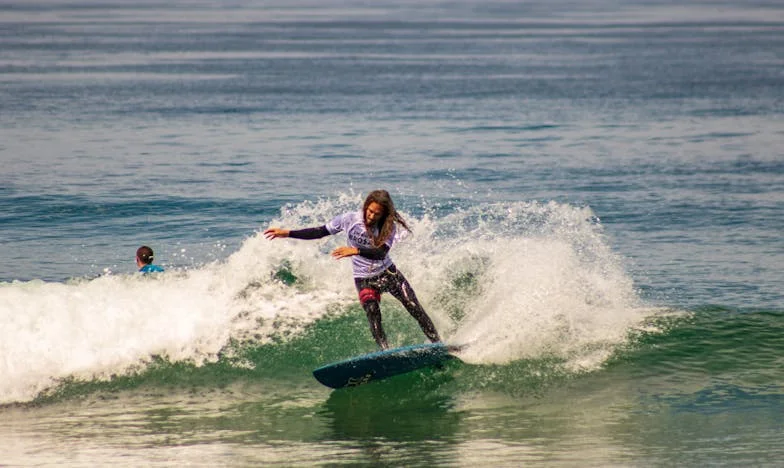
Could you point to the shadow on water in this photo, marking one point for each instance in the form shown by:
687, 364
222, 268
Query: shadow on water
416, 410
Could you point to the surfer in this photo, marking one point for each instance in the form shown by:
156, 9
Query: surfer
371, 233
144, 258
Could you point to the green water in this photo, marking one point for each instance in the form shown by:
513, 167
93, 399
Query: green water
698, 392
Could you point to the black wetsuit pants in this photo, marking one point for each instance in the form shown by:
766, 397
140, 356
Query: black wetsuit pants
393, 282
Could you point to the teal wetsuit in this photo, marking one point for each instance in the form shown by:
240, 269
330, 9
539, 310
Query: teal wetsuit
150, 268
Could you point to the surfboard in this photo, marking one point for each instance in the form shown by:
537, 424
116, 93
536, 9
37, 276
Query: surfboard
382, 364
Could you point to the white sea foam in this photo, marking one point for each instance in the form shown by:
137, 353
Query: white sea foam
516, 280
111, 324
545, 282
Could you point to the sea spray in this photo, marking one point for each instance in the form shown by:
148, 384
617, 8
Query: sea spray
115, 324
516, 280
530, 280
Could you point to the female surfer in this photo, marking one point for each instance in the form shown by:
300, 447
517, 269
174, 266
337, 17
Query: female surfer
371, 233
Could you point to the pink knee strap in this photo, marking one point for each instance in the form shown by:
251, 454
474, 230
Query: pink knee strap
369, 294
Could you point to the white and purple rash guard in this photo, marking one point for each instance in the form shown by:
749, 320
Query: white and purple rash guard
371, 261
354, 226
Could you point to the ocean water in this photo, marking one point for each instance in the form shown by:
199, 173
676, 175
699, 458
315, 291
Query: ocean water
595, 191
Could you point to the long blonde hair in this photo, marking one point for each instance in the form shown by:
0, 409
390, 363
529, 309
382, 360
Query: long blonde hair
387, 221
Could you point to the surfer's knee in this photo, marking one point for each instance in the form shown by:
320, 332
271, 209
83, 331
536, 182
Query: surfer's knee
413, 307
372, 307
369, 294
372, 310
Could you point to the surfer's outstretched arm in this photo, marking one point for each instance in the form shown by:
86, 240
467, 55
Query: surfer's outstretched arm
307, 233
373, 253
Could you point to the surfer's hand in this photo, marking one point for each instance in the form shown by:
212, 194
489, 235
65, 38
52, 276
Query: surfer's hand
345, 251
274, 233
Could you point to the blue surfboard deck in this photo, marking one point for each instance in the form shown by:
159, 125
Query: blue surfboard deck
381, 364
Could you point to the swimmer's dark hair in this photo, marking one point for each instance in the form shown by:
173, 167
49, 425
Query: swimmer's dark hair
145, 254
